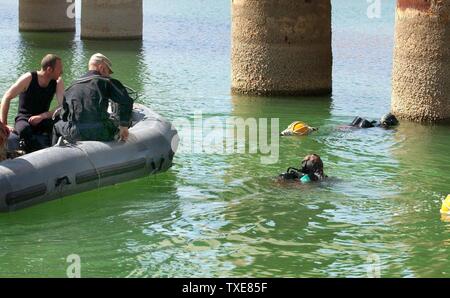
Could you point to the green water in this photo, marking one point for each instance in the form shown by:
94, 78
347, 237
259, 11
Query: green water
216, 215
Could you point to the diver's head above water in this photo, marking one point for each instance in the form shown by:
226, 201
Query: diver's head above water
311, 169
388, 120
312, 165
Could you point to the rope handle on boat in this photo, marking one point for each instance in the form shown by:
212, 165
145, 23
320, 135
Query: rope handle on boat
91, 162
63, 142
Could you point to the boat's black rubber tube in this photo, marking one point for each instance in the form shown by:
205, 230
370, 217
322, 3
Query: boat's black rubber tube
26, 194
113, 170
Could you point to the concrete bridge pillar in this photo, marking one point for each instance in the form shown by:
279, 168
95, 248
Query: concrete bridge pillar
46, 15
421, 72
281, 47
111, 19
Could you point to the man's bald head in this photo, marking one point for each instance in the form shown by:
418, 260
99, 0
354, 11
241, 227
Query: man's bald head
101, 63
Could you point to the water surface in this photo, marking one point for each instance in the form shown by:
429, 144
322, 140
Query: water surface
218, 215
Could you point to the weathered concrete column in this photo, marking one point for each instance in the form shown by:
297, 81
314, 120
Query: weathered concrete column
281, 47
421, 72
46, 15
111, 19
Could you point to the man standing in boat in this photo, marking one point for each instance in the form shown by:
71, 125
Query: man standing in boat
36, 91
85, 106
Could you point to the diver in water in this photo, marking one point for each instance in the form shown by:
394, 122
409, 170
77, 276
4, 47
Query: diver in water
387, 121
311, 170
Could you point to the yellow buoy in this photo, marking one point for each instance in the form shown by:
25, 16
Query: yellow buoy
298, 128
446, 206
445, 209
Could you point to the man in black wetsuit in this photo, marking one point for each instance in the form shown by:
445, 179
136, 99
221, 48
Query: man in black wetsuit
36, 91
387, 121
85, 106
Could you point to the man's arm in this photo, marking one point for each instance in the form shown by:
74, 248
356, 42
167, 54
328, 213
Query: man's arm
60, 91
21, 85
120, 95
35, 120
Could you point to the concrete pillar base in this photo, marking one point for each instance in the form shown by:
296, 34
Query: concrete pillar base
105, 19
421, 71
274, 92
46, 16
281, 47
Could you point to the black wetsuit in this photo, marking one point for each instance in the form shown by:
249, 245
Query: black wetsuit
294, 174
363, 123
36, 100
387, 121
85, 109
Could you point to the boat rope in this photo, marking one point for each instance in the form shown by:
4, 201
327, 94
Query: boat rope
89, 160
134, 95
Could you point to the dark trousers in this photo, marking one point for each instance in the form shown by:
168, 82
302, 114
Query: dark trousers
73, 132
30, 133
62, 129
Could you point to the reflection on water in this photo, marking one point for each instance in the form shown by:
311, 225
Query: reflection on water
34, 46
39, 239
224, 215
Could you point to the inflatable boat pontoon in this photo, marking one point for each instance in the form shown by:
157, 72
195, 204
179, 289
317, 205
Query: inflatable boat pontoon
68, 169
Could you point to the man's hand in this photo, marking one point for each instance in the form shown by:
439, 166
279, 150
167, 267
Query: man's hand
123, 134
35, 120
11, 129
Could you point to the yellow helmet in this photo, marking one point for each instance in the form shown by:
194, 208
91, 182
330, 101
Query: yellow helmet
297, 128
445, 209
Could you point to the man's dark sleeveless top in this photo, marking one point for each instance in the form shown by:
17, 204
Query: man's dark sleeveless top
36, 100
